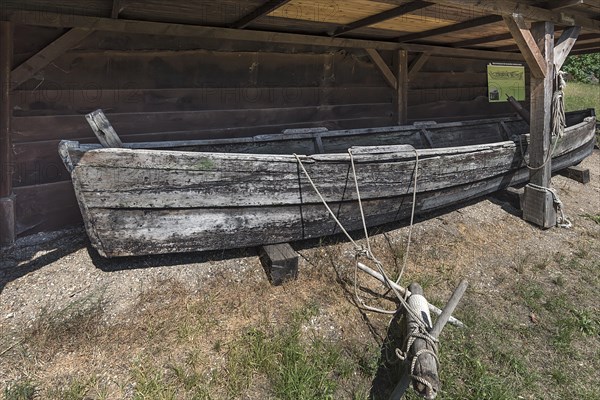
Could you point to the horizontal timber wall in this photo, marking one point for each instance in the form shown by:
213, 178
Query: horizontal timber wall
158, 88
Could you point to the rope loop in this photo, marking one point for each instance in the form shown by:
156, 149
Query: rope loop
559, 121
424, 334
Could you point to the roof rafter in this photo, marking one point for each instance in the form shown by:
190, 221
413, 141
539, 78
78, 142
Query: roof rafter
534, 13
483, 40
584, 37
259, 12
384, 16
561, 4
171, 29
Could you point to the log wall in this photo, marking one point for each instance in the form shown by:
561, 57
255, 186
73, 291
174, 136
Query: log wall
163, 88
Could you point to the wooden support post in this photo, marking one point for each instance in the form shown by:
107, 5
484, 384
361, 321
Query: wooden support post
383, 67
581, 175
116, 9
425, 366
538, 204
280, 262
512, 196
433, 309
401, 64
7, 200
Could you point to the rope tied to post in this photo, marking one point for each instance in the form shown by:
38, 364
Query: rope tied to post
562, 221
366, 252
421, 329
559, 121
431, 341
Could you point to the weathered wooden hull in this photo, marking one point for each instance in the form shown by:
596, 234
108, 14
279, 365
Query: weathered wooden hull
156, 198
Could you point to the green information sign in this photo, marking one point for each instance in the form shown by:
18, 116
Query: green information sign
504, 81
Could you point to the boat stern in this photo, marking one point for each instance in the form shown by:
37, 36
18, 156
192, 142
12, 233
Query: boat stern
65, 149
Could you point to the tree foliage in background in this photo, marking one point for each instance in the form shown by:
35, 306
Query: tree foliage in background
584, 67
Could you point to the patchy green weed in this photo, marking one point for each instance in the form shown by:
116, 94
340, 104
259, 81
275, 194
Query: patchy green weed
22, 390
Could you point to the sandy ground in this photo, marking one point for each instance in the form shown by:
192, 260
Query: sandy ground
48, 271
485, 242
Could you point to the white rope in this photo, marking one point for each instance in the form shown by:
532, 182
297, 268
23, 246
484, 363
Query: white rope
361, 251
412, 218
558, 121
423, 331
546, 159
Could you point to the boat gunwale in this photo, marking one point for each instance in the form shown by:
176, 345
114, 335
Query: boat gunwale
363, 156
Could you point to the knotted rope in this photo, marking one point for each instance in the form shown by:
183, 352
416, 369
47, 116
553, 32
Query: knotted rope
361, 251
403, 355
559, 121
562, 221
422, 331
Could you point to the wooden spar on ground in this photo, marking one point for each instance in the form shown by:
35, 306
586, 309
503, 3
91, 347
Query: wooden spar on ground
425, 365
433, 309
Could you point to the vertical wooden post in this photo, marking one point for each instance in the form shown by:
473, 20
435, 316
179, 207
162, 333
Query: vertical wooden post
401, 66
538, 206
7, 203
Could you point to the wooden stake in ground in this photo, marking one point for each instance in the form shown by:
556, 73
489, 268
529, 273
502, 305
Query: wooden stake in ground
421, 364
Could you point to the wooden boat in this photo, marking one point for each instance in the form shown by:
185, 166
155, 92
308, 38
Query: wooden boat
164, 197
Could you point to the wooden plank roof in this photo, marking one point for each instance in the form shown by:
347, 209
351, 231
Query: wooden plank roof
466, 24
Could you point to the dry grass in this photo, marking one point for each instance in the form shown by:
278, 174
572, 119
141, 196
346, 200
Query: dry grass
531, 311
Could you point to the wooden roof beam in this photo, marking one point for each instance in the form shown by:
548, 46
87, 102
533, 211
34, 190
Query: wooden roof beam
170, 29
387, 73
260, 12
562, 4
534, 13
527, 44
472, 23
565, 44
586, 36
44, 57
483, 40
384, 16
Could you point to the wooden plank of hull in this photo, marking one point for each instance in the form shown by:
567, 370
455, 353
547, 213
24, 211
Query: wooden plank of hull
139, 188
158, 201
159, 179
125, 232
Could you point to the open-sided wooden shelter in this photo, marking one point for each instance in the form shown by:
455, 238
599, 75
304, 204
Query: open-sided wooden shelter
169, 70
